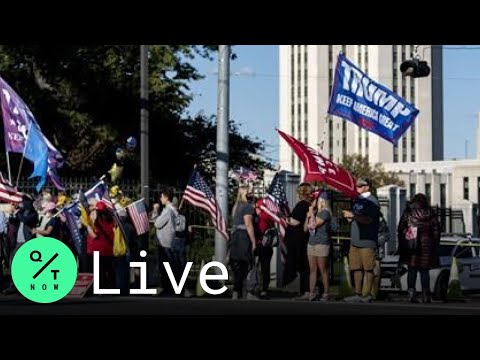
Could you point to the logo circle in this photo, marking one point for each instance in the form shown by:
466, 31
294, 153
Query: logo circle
44, 270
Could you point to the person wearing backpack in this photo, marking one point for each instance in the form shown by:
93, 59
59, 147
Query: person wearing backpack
165, 225
318, 248
418, 243
264, 230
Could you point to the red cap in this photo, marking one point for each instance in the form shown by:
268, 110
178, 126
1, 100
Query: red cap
100, 206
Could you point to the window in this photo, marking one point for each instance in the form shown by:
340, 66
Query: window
293, 162
305, 55
428, 192
478, 187
305, 108
443, 196
330, 137
344, 50
366, 59
395, 153
465, 188
413, 190
306, 91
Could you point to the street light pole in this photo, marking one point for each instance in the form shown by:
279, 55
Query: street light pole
144, 150
222, 145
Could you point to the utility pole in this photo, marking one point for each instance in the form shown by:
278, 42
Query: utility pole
223, 109
144, 149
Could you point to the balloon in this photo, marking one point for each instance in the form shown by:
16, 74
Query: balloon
131, 143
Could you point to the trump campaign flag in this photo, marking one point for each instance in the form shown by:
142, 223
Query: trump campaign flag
18, 120
369, 104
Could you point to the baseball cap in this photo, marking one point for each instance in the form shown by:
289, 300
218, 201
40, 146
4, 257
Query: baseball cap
363, 182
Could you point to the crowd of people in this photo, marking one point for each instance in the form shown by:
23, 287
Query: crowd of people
308, 233
309, 230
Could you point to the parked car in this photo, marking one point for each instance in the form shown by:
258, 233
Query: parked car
465, 249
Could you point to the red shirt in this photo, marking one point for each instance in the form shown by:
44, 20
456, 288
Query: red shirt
104, 240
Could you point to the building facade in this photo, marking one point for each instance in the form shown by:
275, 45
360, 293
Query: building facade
306, 80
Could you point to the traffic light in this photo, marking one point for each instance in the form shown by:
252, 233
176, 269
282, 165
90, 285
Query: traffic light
415, 68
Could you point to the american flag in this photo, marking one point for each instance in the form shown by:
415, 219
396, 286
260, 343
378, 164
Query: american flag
138, 213
275, 203
8, 192
199, 194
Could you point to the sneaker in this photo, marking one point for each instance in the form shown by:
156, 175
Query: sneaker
325, 297
235, 295
264, 295
353, 299
187, 293
367, 299
312, 297
251, 296
304, 297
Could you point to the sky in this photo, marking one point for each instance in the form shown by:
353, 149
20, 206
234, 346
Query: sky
254, 97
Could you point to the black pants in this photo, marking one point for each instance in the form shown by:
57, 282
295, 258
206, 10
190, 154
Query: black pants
107, 274
297, 261
424, 277
240, 271
265, 256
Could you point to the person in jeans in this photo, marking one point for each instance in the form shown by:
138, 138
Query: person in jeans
318, 249
242, 243
420, 219
166, 229
364, 218
262, 223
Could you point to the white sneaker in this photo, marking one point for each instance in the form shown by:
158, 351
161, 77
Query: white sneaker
187, 293
251, 296
367, 299
235, 295
353, 299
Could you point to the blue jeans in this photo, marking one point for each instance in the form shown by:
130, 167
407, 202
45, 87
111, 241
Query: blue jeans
175, 256
424, 277
122, 274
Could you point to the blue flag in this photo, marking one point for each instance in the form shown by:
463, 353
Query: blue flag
369, 104
36, 150
72, 215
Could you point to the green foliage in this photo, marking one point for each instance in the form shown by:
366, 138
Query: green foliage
86, 100
359, 166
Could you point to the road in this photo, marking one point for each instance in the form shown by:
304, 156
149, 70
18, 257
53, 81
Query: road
146, 305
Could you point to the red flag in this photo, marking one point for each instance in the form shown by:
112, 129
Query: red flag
321, 169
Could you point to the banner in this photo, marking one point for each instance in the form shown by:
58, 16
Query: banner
369, 104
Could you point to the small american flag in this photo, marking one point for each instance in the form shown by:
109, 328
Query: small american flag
8, 192
199, 194
138, 213
275, 203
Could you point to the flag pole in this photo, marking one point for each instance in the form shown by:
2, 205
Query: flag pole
181, 201
8, 168
23, 155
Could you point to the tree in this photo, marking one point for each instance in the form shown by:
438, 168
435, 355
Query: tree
359, 166
86, 100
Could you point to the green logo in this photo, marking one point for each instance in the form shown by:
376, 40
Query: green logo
44, 270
